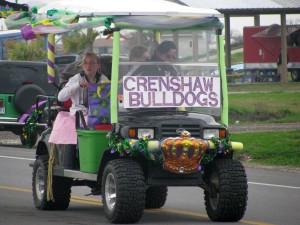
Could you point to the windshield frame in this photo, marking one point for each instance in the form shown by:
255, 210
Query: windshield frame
115, 78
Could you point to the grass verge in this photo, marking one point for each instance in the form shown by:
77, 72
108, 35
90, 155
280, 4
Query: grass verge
265, 87
271, 107
269, 148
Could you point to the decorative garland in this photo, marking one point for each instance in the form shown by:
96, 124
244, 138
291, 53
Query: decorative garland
126, 146
222, 146
30, 127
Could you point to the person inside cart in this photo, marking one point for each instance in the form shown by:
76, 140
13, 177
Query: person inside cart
166, 52
138, 53
64, 129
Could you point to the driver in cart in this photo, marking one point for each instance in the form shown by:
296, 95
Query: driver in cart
165, 53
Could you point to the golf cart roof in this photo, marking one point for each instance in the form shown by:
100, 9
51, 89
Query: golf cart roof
132, 7
63, 16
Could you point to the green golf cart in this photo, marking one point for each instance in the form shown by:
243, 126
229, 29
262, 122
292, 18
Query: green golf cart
161, 130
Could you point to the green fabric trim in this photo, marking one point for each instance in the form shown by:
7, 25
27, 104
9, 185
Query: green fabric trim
222, 68
115, 78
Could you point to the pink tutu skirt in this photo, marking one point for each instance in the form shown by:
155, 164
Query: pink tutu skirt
64, 129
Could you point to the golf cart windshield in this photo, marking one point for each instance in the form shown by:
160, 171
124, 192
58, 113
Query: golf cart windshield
180, 74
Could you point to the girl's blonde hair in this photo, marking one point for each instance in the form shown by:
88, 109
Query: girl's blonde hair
90, 55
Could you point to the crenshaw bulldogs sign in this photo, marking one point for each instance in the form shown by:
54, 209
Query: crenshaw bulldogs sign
179, 91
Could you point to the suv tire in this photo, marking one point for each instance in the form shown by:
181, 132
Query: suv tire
25, 97
33, 138
228, 182
123, 191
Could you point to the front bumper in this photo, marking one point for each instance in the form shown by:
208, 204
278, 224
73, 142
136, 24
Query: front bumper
184, 155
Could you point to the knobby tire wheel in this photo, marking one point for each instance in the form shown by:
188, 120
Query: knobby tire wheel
229, 182
156, 197
61, 187
123, 191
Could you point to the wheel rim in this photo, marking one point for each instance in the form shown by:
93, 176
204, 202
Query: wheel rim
214, 180
110, 191
39, 183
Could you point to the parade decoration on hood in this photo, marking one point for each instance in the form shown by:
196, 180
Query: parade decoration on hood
183, 154
127, 146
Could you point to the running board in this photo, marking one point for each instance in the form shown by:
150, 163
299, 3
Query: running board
74, 174
61, 172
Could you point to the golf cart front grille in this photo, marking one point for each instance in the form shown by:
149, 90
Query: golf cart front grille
169, 130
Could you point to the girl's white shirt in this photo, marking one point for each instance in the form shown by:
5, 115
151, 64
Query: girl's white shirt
73, 91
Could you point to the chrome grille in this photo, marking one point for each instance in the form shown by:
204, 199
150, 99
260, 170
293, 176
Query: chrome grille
169, 130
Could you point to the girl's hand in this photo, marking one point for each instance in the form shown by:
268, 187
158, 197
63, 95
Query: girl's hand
83, 83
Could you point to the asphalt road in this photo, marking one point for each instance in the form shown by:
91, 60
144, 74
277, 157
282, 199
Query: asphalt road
274, 197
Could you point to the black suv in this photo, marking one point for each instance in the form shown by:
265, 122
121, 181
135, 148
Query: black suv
21, 82
63, 60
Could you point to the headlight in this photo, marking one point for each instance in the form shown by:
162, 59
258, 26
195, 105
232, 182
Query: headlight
146, 132
210, 133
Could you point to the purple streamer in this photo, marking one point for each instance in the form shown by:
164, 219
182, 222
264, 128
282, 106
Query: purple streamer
33, 107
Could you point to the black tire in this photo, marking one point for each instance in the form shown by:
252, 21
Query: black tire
25, 97
22, 139
295, 74
62, 192
61, 187
156, 197
229, 181
33, 138
123, 191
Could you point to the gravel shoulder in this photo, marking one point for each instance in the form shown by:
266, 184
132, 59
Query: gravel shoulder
264, 127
